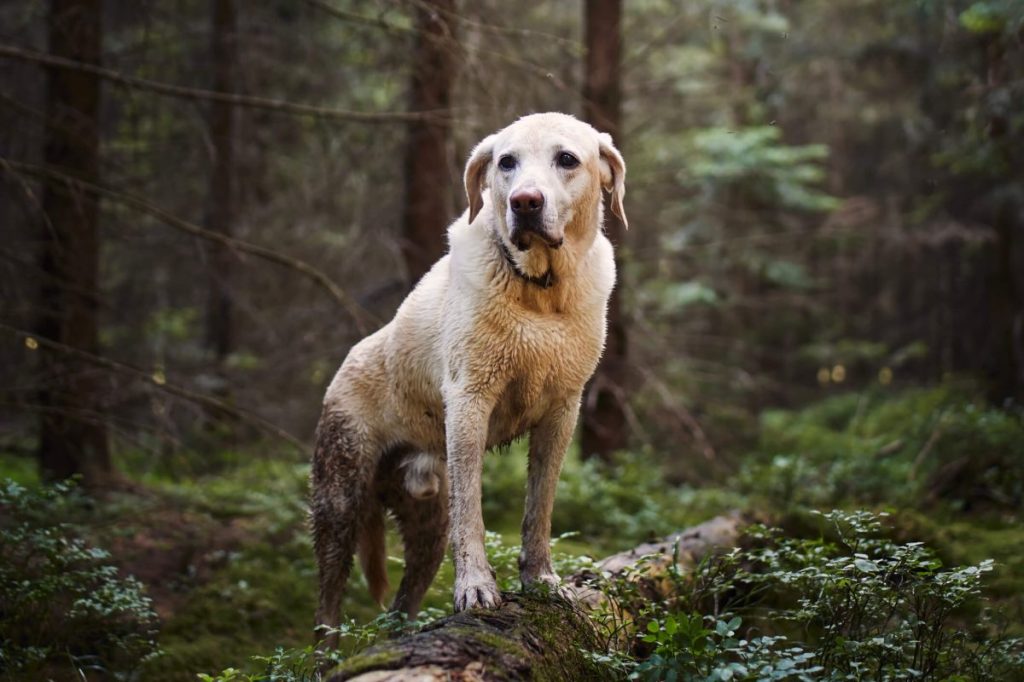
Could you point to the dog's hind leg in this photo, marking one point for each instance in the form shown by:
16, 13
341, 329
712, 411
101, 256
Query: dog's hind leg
340, 481
421, 511
372, 551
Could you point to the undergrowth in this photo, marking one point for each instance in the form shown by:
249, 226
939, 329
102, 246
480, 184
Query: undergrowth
795, 603
64, 608
922, 448
849, 604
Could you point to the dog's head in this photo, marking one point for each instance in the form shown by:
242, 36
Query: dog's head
544, 171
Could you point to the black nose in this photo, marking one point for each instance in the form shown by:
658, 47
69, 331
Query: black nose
526, 202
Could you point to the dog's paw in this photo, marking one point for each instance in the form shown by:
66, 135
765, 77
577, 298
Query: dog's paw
477, 593
547, 583
542, 579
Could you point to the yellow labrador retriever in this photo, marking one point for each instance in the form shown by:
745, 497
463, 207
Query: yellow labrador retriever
497, 340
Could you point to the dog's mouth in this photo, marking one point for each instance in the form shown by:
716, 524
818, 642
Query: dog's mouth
525, 233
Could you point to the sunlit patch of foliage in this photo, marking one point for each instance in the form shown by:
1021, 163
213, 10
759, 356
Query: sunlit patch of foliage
64, 609
919, 447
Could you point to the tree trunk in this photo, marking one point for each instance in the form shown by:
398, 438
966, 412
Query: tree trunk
220, 211
532, 636
1006, 304
428, 202
604, 412
73, 432
1006, 367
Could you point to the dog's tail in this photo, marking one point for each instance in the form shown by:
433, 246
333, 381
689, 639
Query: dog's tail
372, 552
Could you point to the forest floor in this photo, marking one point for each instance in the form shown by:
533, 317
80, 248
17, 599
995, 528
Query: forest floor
227, 558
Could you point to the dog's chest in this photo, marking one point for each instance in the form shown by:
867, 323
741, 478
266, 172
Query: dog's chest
543, 363
520, 406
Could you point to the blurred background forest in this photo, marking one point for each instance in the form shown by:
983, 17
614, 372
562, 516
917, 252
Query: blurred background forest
204, 205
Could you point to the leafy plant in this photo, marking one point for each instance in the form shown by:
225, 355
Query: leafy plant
778, 174
915, 447
303, 664
691, 646
861, 606
61, 602
605, 505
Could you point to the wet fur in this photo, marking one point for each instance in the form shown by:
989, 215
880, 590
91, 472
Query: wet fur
475, 357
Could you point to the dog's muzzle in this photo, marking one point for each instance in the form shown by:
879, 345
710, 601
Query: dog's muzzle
527, 207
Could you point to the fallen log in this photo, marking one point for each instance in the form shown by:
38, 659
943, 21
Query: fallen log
537, 636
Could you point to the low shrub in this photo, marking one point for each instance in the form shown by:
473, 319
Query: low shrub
917, 448
64, 609
848, 605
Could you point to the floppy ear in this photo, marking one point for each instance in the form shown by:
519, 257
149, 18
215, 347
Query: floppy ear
476, 173
613, 175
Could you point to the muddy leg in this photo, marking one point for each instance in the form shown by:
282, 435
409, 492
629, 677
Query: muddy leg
423, 524
340, 481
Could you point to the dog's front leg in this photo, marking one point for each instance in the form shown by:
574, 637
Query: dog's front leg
466, 421
548, 443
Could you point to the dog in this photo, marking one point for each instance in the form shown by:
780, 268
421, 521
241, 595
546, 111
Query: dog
496, 341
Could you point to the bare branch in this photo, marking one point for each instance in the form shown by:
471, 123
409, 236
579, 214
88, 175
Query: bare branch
364, 319
182, 92
162, 384
354, 17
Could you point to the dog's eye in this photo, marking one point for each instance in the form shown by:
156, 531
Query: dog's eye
507, 162
567, 160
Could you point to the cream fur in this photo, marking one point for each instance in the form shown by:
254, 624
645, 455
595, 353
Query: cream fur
477, 356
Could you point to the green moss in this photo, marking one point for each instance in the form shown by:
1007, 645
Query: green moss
566, 633
506, 645
379, 659
20, 469
960, 539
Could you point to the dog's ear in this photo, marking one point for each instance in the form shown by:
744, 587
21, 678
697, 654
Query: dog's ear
613, 175
476, 174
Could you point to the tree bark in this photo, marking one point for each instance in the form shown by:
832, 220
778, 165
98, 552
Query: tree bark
604, 427
532, 636
73, 431
1006, 302
220, 210
428, 202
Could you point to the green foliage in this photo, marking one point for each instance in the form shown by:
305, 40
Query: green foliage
915, 447
862, 605
63, 608
607, 506
623, 502
674, 297
692, 647
993, 16
262, 591
756, 159
302, 664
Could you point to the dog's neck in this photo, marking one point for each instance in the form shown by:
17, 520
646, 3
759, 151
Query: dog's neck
544, 281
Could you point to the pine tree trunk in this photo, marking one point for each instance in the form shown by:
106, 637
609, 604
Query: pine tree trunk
73, 431
220, 211
428, 202
533, 637
604, 428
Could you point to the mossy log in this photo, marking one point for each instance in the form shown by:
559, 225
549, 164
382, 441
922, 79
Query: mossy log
534, 636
